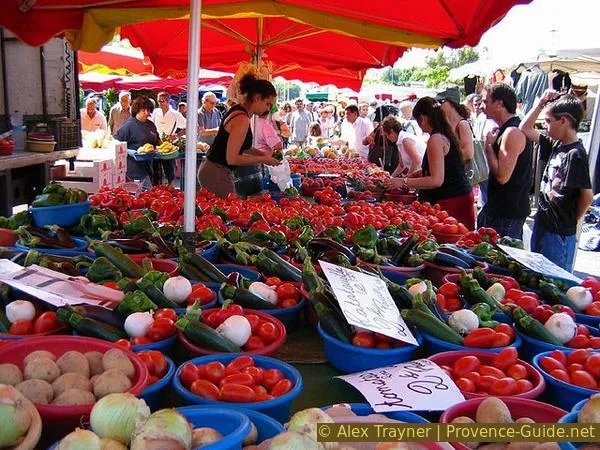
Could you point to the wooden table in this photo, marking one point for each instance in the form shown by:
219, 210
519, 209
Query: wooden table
23, 175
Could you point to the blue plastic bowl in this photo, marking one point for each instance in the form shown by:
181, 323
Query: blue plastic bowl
579, 405
586, 319
296, 179
62, 215
81, 246
266, 426
213, 287
434, 345
210, 252
532, 347
349, 358
558, 393
162, 346
570, 418
288, 316
364, 409
233, 425
152, 393
278, 408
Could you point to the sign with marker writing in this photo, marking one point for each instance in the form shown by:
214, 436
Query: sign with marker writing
419, 385
366, 302
538, 263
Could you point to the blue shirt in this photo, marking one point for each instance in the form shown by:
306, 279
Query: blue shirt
208, 120
137, 133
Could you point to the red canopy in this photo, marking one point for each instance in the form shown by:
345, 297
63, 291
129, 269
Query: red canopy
120, 60
424, 23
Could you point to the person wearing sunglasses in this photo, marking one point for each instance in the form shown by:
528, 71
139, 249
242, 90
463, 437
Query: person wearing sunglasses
566, 188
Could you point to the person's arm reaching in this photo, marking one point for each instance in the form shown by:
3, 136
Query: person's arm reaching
528, 124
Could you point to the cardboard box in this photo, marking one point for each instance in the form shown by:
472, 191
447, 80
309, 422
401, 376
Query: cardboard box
90, 175
117, 152
119, 177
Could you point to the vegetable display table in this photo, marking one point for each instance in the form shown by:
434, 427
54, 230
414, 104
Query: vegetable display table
23, 175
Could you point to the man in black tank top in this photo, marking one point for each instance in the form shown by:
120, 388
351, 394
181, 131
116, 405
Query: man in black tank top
509, 155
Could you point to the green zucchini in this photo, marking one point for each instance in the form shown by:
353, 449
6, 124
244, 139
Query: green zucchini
204, 336
244, 297
331, 323
89, 327
4, 323
270, 262
157, 296
430, 325
121, 261
208, 269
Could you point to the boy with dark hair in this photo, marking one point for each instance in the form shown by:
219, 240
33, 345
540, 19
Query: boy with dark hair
565, 190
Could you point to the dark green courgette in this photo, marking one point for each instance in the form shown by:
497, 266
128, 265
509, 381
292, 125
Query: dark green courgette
4, 323
89, 327
271, 263
244, 297
204, 336
121, 261
157, 296
208, 268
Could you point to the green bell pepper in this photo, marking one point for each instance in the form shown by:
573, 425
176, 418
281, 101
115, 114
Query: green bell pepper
219, 212
3, 222
154, 278
234, 235
296, 222
365, 238
211, 234
484, 313
256, 217
98, 221
292, 191
336, 233
427, 246
52, 199
483, 249
278, 155
305, 235
135, 301
137, 226
412, 281
54, 188
103, 270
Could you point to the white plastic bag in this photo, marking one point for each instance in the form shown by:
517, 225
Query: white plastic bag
281, 175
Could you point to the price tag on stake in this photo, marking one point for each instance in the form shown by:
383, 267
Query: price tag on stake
366, 302
419, 385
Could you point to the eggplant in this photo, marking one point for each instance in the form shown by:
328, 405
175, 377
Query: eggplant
101, 314
318, 246
458, 253
130, 246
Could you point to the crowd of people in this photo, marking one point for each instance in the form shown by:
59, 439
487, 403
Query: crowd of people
430, 145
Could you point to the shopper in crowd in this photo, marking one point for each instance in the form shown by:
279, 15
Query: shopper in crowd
509, 155
372, 108
565, 189
470, 104
120, 112
326, 122
170, 124
354, 131
91, 118
457, 116
232, 146
209, 118
311, 112
137, 131
410, 149
299, 124
182, 108
443, 178
363, 110
406, 114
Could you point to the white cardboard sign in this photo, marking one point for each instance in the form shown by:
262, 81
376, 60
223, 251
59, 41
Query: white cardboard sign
538, 263
419, 385
366, 302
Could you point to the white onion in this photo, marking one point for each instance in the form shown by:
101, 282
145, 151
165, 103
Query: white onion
237, 329
177, 289
20, 310
137, 324
116, 416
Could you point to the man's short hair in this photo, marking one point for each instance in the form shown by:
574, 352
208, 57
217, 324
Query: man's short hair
567, 106
208, 95
124, 94
505, 93
164, 94
352, 109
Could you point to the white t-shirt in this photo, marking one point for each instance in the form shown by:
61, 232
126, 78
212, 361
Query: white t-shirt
354, 133
168, 122
98, 122
420, 146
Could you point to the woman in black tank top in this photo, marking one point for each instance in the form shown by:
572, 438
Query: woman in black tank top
232, 146
443, 178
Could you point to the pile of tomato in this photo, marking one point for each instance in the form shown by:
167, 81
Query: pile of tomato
450, 226
288, 294
201, 293
499, 336
240, 381
369, 339
473, 238
580, 367
593, 285
263, 331
448, 297
45, 322
506, 375
156, 363
162, 328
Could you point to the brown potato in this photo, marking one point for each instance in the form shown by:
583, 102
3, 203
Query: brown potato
522, 445
554, 446
465, 419
71, 380
74, 397
93, 379
493, 410
74, 362
116, 359
37, 354
42, 369
10, 374
95, 361
111, 381
38, 391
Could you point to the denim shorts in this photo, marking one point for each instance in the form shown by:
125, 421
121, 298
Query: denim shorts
557, 248
504, 226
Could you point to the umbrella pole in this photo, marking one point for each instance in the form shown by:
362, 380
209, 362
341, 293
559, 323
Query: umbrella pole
189, 205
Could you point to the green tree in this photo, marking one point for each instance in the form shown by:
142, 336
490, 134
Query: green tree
286, 87
398, 77
438, 67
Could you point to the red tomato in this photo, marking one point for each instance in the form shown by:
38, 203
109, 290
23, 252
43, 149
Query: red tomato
46, 322
215, 371
504, 386
272, 281
517, 371
167, 313
528, 303
202, 370
244, 379
202, 294
189, 374
593, 308
505, 358
465, 365
264, 397
382, 338
237, 393
161, 329
592, 365
501, 340
212, 319
523, 386
579, 341
364, 339
254, 343
441, 301
573, 367
260, 390
465, 385
485, 383
21, 327
453, 304
255, 372
155, 362
140, 340
123, 343
271, 377
288, 290
152, 379
288, 303
578, 356
205, 389
240, 363
449, 290
506, 329
383, 345
228, 311
549, 364
473, 376
481, 337
514, 294
560, 374
583, 379
491, 371
254, 322
268, 332
595, 342
281, 387
560, 357
583, 330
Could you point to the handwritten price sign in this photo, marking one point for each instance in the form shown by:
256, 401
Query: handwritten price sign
419, 385
366, 302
